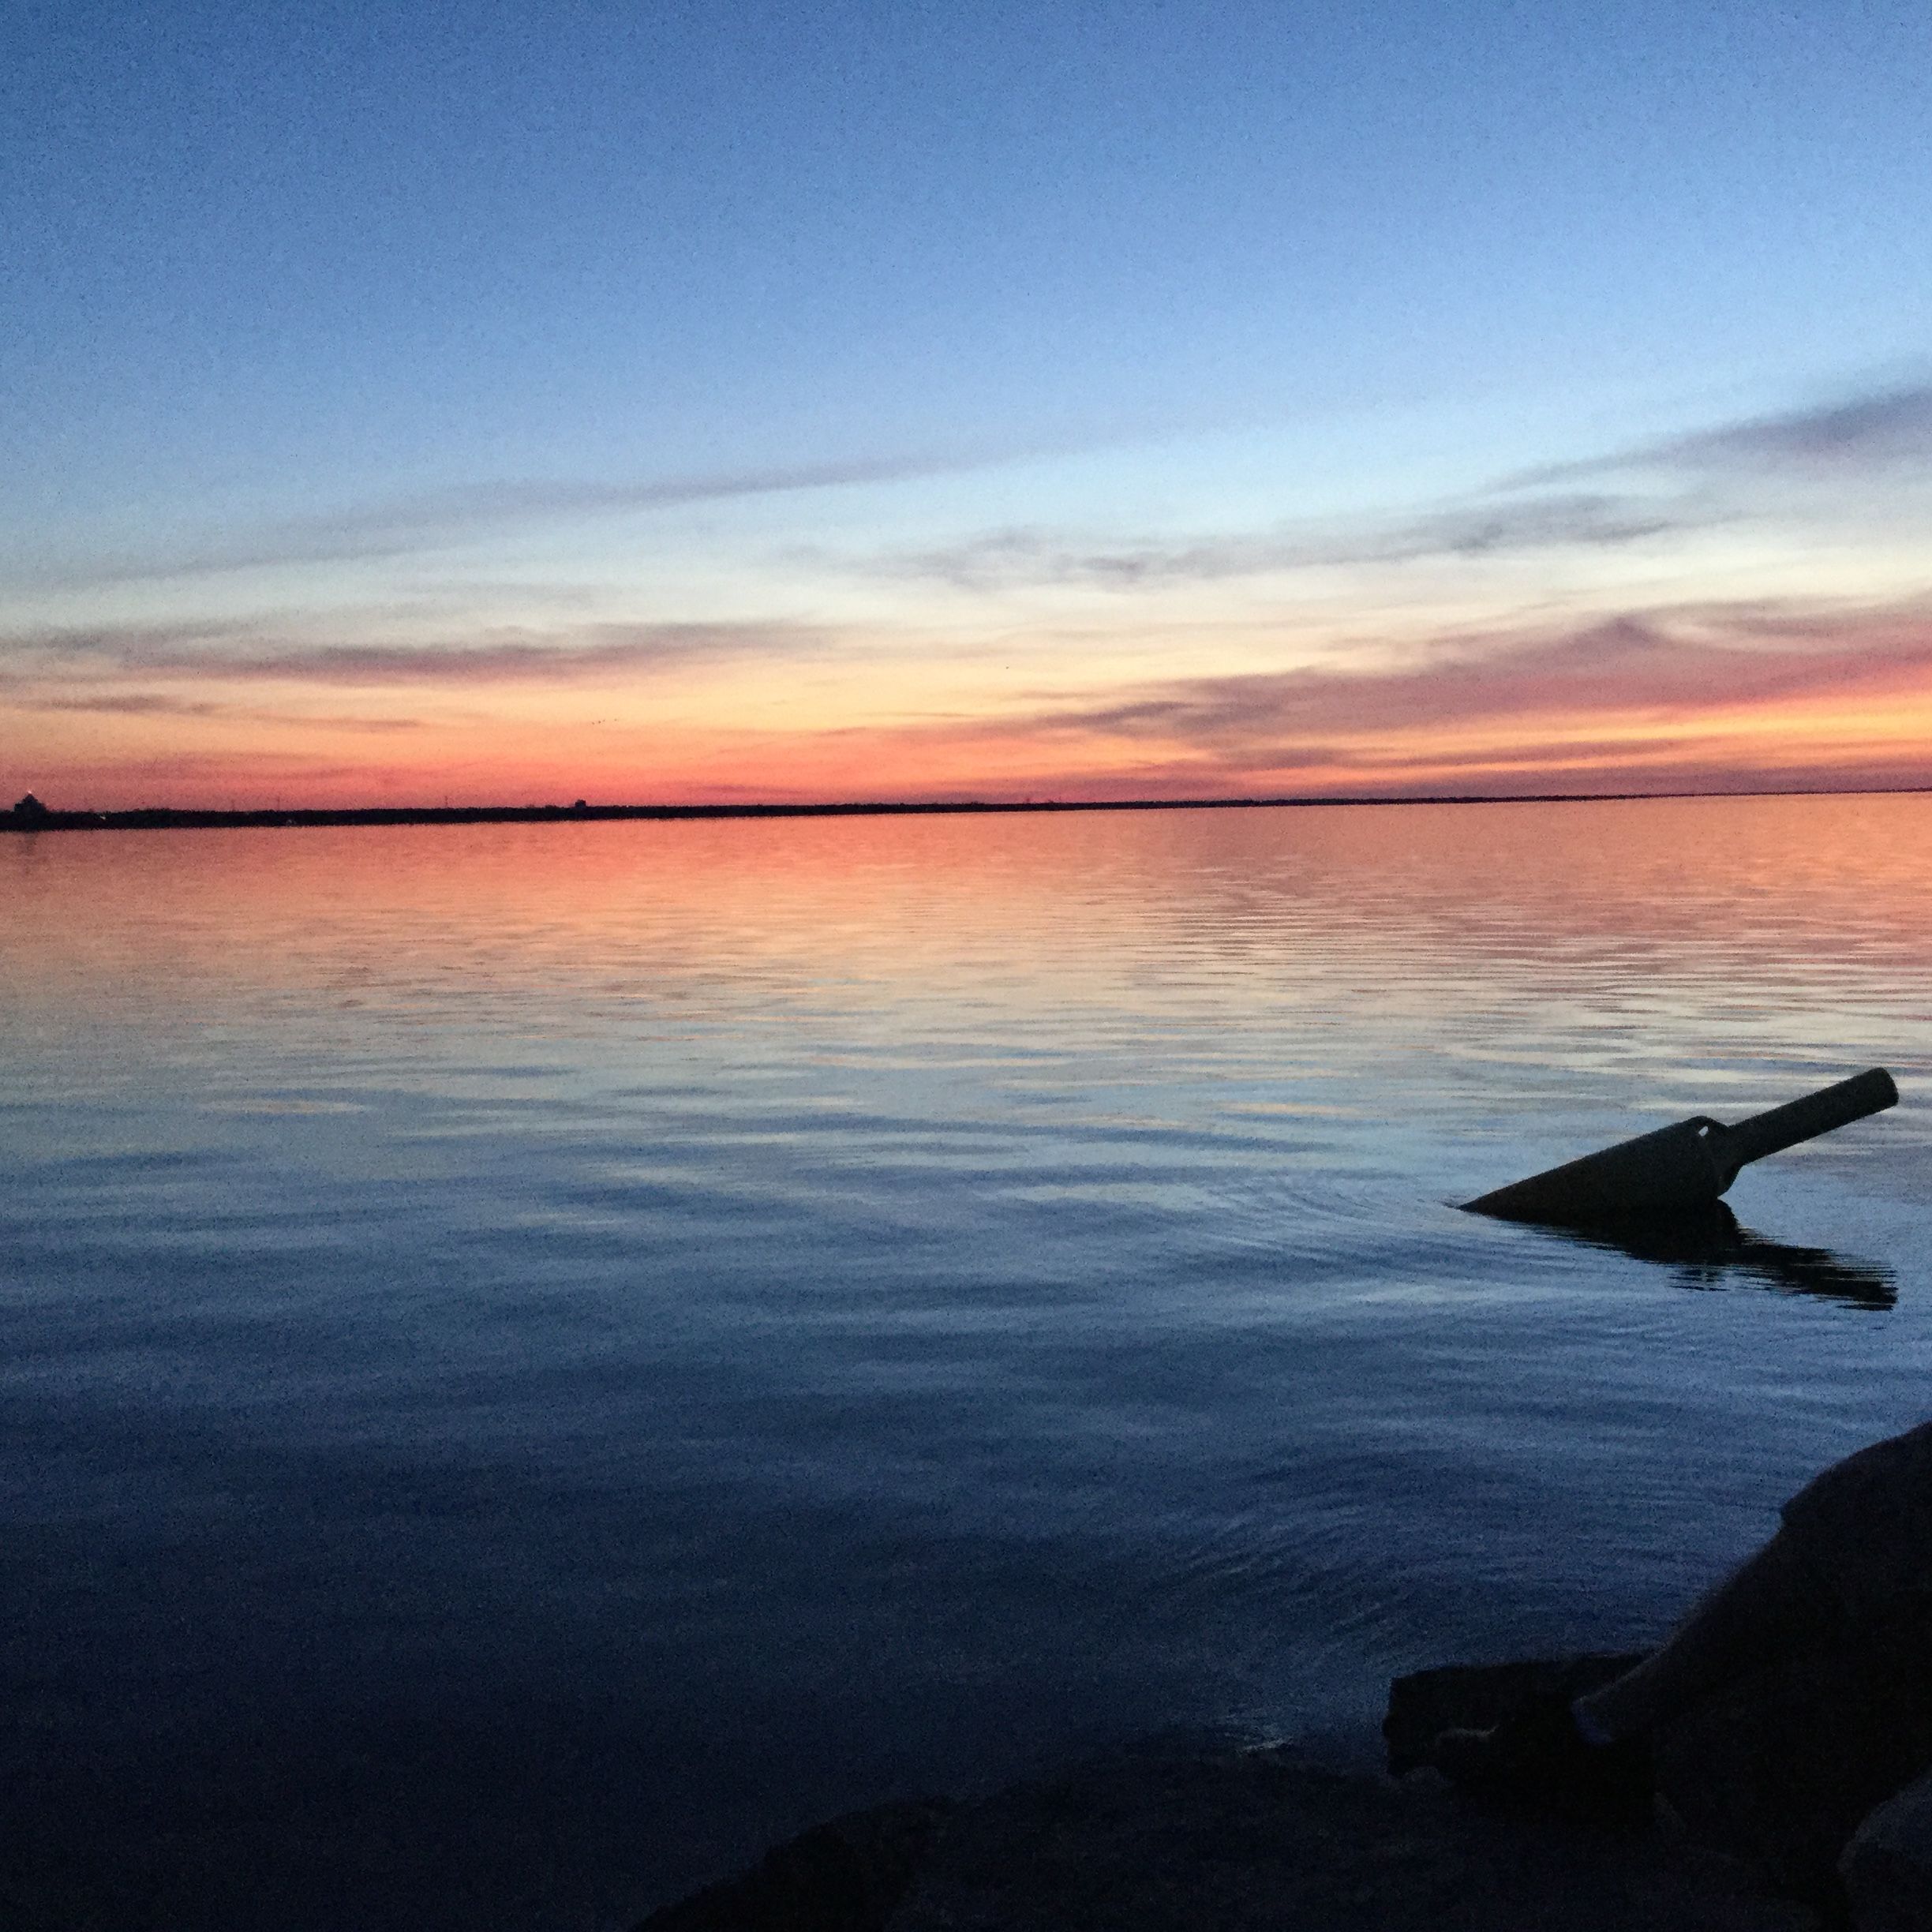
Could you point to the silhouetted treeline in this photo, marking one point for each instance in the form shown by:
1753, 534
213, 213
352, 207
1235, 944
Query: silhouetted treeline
30, 815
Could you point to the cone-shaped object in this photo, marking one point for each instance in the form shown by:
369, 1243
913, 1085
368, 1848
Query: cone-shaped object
1682, 1166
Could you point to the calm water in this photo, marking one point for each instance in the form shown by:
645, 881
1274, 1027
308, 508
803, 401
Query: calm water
539, 1358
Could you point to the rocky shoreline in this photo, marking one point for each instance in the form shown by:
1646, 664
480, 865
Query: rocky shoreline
1180, 1833
1177, 1837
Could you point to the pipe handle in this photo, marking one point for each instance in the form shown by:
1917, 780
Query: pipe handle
1835, 1105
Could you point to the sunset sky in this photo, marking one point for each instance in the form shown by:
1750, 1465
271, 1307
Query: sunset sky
664, 402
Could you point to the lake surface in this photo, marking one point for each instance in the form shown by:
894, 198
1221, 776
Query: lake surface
539, 1358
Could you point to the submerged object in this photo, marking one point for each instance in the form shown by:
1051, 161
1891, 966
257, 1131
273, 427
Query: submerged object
1682, 1167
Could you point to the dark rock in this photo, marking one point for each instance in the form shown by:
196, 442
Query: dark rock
1252, 1840
1474, 1696
1186, 1836
845, 1876
1887, 1868
1782, 1766
1778, 1770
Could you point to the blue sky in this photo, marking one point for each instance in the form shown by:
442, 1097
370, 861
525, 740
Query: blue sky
413, 322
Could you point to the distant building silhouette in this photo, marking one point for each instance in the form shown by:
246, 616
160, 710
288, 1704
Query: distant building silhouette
30, 809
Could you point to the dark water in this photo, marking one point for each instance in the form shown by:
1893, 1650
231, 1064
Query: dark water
537, 1358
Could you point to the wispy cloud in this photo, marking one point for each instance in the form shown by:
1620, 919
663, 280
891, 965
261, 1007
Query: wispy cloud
1679, 664
1877, 434
239, 652
162, 704
1674, 487
404, 525
1004, 558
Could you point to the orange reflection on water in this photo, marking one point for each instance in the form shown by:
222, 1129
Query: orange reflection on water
1068, 897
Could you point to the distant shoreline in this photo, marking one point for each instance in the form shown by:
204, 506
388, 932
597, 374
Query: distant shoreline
166, 818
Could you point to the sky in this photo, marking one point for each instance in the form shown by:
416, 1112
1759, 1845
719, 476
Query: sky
656, 403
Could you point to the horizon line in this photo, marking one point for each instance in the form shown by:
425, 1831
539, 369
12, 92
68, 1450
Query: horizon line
162, 818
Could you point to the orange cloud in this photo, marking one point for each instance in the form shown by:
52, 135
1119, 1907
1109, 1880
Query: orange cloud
1694, 695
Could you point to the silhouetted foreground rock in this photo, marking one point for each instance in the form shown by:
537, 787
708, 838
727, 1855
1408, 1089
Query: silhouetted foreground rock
1186, 1837
1474, 1696
1783, 1767
1887, 1867
846, 1876
1802, 1770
